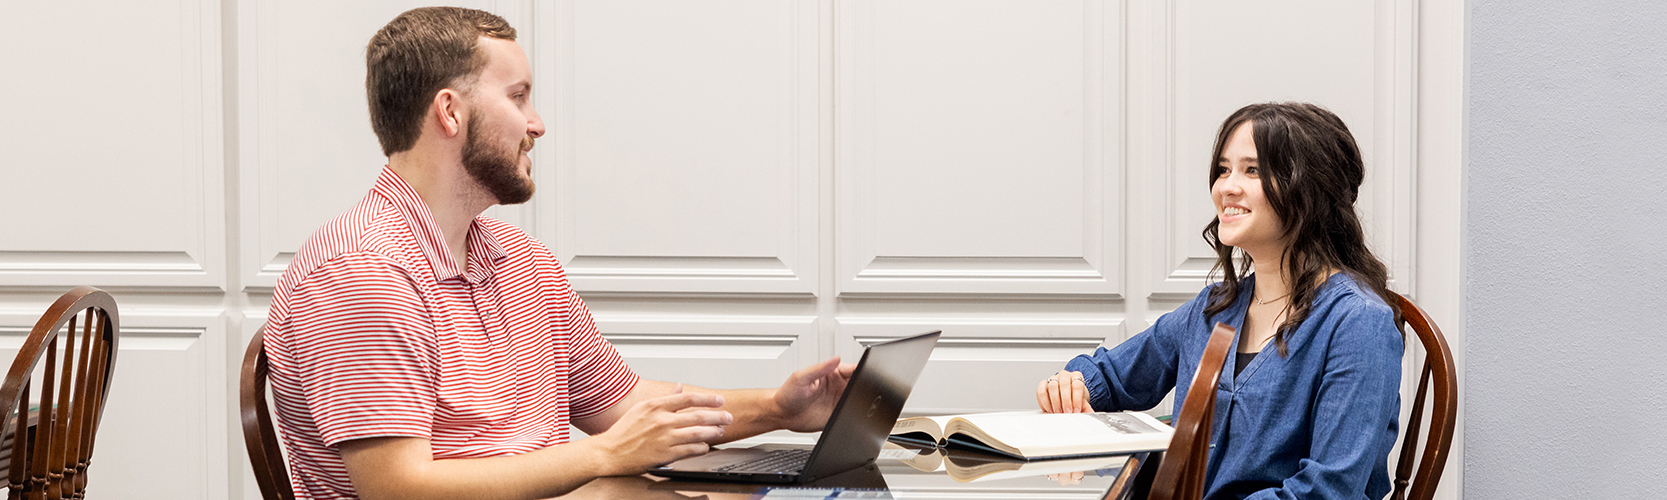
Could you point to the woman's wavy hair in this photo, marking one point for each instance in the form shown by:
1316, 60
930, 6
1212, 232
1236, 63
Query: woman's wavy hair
1311, 170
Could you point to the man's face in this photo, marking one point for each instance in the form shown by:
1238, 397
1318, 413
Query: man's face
502, 124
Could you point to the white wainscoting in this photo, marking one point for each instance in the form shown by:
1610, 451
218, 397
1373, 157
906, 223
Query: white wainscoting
112, 156
978, 147
685, 138
164, 426
737, 188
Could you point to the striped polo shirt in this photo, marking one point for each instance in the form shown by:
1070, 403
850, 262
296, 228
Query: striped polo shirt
375, 331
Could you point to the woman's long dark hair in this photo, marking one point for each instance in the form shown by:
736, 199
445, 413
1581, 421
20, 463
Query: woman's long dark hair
1311, 172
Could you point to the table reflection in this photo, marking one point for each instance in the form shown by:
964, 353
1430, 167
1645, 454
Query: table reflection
905, 472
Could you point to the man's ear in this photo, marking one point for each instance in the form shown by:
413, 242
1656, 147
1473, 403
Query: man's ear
448, 110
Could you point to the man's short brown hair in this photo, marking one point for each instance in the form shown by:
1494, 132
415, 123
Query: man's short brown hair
415, 56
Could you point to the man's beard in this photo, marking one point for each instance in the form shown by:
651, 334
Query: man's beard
496, 169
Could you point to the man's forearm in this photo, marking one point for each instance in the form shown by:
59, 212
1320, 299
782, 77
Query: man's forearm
755, 410
403, 468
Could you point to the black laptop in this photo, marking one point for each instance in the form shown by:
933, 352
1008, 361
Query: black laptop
852, 438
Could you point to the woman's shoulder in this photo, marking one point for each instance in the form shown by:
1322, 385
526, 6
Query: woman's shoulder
1347, 294
1353, 309
1203, 297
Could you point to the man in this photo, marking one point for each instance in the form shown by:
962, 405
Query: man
419, 350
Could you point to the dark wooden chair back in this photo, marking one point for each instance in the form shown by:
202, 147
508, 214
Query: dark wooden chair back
49, 459
1444, 407
258, 434
1181, 472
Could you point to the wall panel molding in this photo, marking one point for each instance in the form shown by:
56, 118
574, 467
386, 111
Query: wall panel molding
89, 219
883, 87
729, 351
151, 440
685, 228
982, 363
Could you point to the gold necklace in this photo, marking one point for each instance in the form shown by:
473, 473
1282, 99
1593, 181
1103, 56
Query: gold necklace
1261, 302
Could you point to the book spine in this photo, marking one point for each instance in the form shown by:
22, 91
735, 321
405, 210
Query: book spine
974, 444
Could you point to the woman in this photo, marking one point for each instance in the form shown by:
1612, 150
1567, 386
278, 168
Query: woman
1310, 410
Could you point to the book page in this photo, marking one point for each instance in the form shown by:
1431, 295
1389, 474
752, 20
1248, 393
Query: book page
932, 425
1072, 433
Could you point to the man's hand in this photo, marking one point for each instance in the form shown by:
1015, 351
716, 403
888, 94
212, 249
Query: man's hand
661, 430
806, 400
802, 403
1064, 392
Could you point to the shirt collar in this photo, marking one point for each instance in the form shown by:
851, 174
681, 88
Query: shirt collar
484, 249
484, 252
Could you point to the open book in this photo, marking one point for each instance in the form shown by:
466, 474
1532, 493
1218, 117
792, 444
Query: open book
1033, 435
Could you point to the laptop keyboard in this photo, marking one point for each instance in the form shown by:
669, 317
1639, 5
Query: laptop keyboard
775, 461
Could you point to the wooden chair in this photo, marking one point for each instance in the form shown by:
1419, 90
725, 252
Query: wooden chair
258, 433
49, 459
1181, 472
1438, 364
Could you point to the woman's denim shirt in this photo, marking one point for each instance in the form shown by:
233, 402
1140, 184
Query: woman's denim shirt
1317, 423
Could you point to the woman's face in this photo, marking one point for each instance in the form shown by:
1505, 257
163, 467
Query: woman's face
1247, 220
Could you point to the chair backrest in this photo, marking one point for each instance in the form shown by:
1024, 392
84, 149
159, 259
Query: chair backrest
1438, 365
1181, 472
49, 459
258, 434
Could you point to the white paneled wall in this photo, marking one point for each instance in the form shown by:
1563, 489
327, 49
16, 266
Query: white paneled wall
736, 187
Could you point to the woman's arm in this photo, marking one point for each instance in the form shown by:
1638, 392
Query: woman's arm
1133, 375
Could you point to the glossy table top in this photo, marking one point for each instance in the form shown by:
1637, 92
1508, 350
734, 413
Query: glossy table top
911, 473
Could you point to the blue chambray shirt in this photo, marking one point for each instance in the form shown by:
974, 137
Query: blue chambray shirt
1318, 423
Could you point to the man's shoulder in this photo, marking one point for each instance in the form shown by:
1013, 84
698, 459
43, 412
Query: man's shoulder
364, 232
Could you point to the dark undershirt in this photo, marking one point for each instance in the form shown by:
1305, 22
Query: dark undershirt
1241, 360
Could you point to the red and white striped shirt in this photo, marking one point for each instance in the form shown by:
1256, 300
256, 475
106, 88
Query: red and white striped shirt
374, 331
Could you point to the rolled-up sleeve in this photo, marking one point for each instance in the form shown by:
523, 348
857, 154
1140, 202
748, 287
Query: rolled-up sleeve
1137, 373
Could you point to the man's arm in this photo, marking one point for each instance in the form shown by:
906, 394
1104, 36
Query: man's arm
656, 431
656, 423
803, 403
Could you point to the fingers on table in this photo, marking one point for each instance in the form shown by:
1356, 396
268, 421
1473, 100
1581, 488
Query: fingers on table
1079, 394
1055, 398
1047, 396
1065, 392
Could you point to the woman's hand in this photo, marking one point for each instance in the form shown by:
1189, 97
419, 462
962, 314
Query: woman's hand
1067, 478
1064, 392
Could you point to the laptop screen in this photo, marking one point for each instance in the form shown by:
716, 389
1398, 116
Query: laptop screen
871, 404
